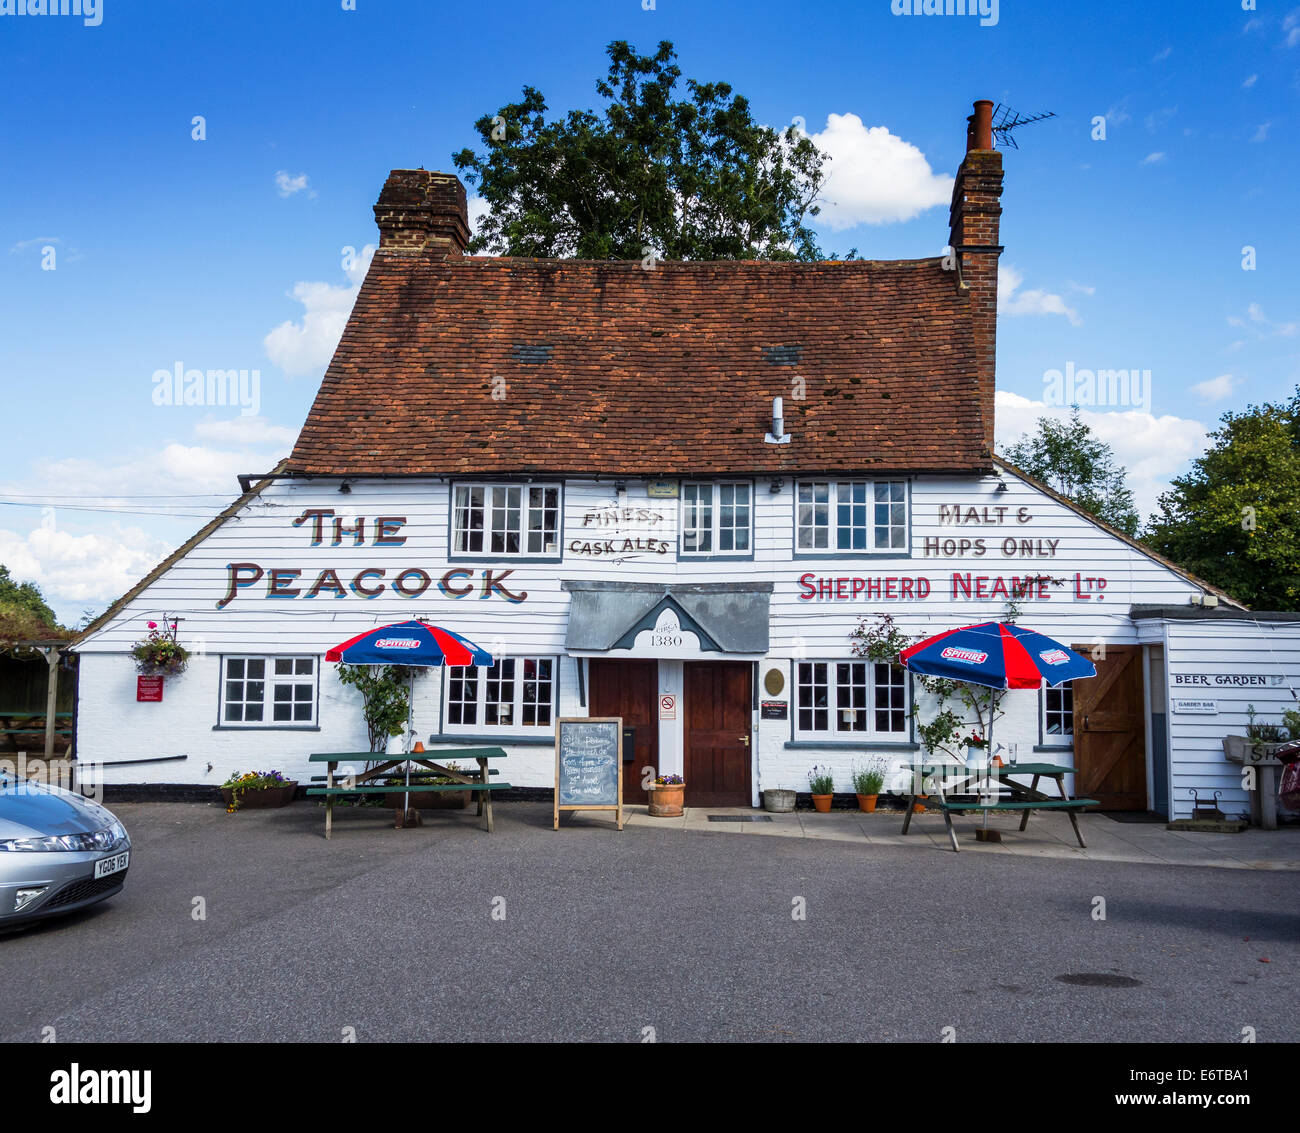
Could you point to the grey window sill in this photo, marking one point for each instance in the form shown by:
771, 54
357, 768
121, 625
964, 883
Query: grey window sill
875, 745
1058, 748
483, 739
266, 727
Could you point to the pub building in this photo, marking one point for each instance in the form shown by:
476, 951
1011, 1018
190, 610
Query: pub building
666, 492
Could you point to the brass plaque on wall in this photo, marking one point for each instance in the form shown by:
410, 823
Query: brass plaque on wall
774, 682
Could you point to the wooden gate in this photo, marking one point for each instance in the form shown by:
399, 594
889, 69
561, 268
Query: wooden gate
1109, 729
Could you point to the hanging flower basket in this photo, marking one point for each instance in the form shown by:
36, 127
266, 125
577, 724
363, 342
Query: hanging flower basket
160, 654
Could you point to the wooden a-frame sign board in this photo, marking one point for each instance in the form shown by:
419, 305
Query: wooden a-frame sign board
589, 765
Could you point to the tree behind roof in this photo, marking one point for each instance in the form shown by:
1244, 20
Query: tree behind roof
1066, 456
1234, 519
679, 179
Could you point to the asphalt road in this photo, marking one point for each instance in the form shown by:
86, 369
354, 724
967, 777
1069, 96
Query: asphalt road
392, 932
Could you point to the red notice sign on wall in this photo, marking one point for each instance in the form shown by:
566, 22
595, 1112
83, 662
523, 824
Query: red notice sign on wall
148, 688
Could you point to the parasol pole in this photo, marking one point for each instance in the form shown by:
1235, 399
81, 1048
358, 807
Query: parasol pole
410, 701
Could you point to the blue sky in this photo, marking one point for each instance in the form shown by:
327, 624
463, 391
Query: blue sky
1125, 252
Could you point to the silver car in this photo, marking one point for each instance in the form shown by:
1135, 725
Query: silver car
59, 852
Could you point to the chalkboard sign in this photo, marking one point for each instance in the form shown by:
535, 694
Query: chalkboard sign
589, 765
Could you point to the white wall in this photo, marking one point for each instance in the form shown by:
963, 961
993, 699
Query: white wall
112, 725
1266, 650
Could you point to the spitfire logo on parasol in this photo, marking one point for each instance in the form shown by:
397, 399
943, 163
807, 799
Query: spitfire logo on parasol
369, 581
965, 656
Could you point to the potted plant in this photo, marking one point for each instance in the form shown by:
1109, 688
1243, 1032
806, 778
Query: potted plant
1261, 741
976, 748
822, 784
667, 796
778, 800
160, 653
867, 782
256, 790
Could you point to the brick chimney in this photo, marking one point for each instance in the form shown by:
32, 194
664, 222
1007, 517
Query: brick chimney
423, 211
974, 219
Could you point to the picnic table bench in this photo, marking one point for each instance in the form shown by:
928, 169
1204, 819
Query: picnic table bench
1024, 799
364, 784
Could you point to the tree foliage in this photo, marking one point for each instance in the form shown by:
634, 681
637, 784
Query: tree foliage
24, 615
692, 178
385, 699
1234, 519
1066, 456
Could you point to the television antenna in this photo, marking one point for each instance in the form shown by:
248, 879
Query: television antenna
1005, 120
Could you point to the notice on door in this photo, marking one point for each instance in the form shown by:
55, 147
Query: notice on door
668, 707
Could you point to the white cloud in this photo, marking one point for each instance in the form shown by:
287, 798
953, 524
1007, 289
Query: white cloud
37, 242
1083, 288
1261, 132
287, 185
1012, 301
1216, 389
1152, 449
245, 431
1291, 25
1153, 158
307, 346
477, 208
74, 569
874, 177
1158, 118
1263, 326
1118, 114
1162, 55
1249, 82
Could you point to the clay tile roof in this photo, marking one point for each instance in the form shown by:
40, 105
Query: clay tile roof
454, 366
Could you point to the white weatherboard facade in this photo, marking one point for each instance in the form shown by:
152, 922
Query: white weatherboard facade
1209, 673
966, 540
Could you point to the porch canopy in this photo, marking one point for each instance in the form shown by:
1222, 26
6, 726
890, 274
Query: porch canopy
725, 617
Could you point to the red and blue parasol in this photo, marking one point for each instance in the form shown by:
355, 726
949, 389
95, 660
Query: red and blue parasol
409, 643
997, 655
416, 645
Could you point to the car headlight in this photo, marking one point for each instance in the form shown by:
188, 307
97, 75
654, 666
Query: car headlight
104, 839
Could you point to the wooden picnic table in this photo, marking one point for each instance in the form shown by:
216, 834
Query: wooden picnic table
366, 783
973, 780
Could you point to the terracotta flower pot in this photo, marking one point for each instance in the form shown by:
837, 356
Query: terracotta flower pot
919, 807
867, 803
822, 803
667, 799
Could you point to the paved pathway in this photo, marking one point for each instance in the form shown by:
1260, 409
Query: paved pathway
1048, 836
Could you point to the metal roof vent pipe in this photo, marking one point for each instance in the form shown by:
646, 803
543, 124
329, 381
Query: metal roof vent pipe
778, 435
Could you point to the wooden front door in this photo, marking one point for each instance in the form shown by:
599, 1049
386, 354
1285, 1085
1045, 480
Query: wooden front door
718, 727
1109, 730
629, 689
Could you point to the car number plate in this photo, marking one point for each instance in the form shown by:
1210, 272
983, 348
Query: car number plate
116, 864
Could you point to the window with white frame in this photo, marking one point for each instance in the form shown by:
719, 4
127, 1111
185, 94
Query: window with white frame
1058, 714
268, 691
839, 516
505, 519
516, 692
850, 698
717, 519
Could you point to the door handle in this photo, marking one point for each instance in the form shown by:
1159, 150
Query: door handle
744, 740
